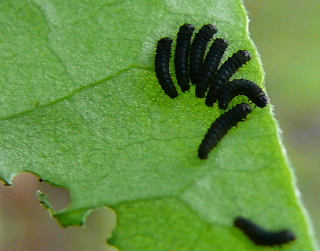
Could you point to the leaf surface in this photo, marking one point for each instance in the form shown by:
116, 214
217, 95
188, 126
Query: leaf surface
81, 107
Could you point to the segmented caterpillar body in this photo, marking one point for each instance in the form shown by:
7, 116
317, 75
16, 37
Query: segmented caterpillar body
225, 72
162, 59
242, 87
198, 49
181, 56
220, 128
210, 65
260, 236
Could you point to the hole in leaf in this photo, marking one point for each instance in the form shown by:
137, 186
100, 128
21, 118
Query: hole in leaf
27, 225
59, 197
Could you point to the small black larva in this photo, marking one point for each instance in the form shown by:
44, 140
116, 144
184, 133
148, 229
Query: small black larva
220, 128
198, 49
225, 72
210, 66
242, 87
260, 236
181, 56
162, 70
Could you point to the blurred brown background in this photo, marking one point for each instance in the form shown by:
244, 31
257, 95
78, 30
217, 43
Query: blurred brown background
287, 35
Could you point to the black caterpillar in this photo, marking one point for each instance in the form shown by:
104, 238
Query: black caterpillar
260, 236
225, 72
181, 57
198, 49
162, 59
210, 66
220, 128
242, 87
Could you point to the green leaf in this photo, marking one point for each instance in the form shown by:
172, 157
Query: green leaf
81, 108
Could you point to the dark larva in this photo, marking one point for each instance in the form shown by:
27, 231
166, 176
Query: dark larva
210, 66
261, 236
181, 57
221, 126
162, 59
242, 87
225, 72
198, 49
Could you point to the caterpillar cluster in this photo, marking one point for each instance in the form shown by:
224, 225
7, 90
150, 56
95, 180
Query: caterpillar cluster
191, 63
212, 82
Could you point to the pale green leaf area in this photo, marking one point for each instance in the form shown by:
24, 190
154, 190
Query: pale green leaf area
81, 108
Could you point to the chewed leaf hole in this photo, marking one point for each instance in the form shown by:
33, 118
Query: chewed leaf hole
59, 197
27, 222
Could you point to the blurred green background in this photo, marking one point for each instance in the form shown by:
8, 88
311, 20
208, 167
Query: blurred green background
287, 34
